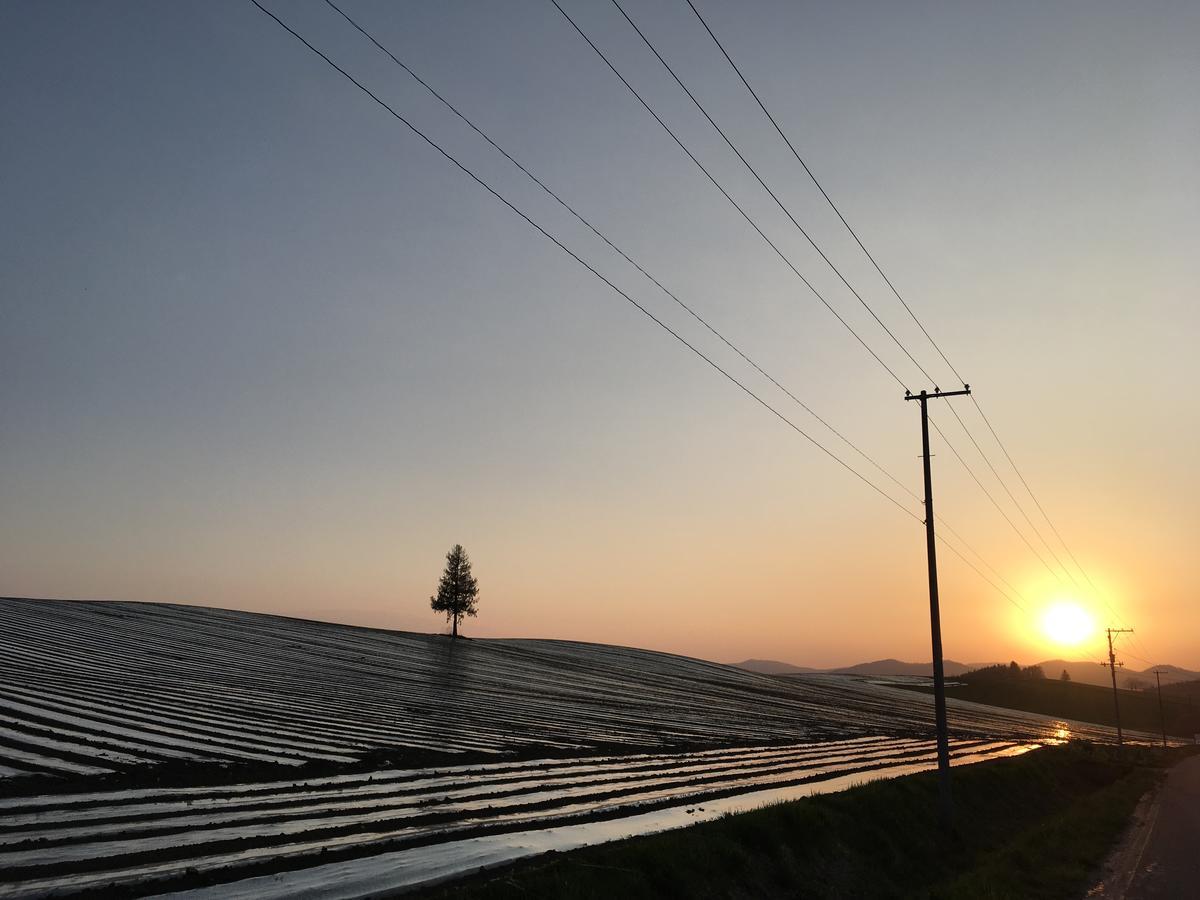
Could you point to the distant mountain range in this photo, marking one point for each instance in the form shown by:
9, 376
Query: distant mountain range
773, 667
1085, 672
1094, 673
877, 667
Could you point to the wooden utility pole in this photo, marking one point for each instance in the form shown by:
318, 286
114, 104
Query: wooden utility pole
1112, 665
945, 796
1162, 718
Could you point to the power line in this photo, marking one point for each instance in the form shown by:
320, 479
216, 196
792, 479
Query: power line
1045, 516
655, 281
641, 308
465, 119
1022, 536
1100, 595
979, 556
974, 399
1003, 593
745, 162
767, 188
726, 194
988, 494
1096, 590
820, 188
793, 220
676, 299
1020, 508
463, 168
789, 215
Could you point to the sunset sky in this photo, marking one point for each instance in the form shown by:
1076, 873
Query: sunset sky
265, 349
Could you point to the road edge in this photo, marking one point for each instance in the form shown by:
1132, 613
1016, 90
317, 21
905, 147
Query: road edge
1118, 871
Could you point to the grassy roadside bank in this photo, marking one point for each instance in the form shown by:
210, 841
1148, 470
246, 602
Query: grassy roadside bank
1034, 826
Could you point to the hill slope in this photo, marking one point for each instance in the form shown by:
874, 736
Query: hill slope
91, 687
148, 747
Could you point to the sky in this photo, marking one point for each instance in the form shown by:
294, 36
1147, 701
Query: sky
263, 348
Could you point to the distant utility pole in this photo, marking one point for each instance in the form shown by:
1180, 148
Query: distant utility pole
1112, 665
1162, 718
935, 616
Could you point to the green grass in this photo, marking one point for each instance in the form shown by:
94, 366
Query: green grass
1030, 827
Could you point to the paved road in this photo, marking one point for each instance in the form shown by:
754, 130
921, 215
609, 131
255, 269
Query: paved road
1169, 865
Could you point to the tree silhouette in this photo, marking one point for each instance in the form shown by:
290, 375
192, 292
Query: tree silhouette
457, 589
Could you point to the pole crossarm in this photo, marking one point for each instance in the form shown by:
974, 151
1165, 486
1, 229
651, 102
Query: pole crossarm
937, 392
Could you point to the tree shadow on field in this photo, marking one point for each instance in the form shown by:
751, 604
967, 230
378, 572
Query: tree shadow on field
451, 682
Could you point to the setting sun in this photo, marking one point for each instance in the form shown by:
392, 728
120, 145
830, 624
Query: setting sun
1067, 624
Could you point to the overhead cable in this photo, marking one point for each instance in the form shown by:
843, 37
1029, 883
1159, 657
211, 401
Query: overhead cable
646, 312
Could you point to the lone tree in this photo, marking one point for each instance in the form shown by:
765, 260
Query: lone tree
458, 589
